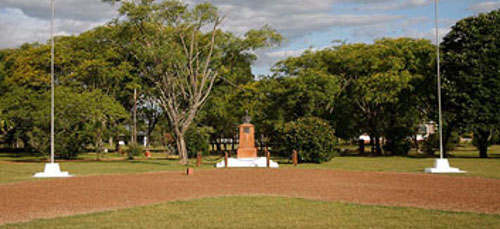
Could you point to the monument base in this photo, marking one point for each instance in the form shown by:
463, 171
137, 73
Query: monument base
443, 166
247, 162
51, 170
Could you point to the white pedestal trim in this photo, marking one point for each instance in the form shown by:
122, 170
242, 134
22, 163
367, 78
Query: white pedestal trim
443, 166
52, 170
247, 162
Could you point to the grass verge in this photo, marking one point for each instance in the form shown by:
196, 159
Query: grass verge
267, 212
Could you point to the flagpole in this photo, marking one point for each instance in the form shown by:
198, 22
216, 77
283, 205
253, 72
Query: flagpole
52, 169
441, 152
52, 84
441, 165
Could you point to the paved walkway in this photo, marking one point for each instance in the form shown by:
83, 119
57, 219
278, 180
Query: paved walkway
25, 201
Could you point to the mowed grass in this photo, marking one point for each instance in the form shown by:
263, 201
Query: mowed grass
488, 168
464, 158
267, 212
15, 168
23, 171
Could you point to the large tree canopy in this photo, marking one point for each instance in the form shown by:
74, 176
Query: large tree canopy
471, 70
365, 88
179, 51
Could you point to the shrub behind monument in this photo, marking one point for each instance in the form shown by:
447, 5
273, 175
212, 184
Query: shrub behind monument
198, 140
312, 137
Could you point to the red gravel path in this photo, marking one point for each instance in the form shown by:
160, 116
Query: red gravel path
24, 201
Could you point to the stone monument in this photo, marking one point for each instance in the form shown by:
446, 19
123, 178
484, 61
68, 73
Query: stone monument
246, 147
246, 155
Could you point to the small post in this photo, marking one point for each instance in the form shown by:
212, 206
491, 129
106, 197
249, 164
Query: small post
225, 159
268, 155
294, 158
198, 159
189, 171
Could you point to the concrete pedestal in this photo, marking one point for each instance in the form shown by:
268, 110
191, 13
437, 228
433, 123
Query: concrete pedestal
247, 162
443, 166
52, 170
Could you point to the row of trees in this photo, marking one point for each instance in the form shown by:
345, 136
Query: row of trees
194, 79
173, 54
385, 89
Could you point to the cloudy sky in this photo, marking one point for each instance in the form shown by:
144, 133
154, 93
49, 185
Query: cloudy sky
306, 24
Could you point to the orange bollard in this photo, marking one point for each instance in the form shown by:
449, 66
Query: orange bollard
225, 159
268, 156
198, 159
294, 158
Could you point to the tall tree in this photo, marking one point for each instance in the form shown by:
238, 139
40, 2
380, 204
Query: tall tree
471, 77
364, 86
82, 118
174, 54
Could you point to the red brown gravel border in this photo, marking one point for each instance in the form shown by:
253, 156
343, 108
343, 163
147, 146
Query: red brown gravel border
24, 201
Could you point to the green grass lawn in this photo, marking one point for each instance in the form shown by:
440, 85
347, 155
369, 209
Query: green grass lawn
24, 171
267, 212
463, 158
489, 168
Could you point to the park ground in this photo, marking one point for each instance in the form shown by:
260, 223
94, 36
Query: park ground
350, 192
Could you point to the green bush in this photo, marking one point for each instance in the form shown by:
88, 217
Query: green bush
312, 137
134, 150
431, 144
397, 140
198, 140
400, 147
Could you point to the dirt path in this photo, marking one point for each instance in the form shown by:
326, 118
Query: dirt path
41, 199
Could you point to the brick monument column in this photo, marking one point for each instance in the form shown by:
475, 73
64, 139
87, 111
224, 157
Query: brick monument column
246, 155
246, 148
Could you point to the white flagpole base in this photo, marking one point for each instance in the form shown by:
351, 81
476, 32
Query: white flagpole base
443, 166
52, 170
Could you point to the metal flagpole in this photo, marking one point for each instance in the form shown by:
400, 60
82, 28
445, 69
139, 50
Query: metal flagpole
52, 169
438, 81
52, 84
441, 165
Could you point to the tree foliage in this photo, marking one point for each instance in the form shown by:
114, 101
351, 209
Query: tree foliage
80, 116
312, 137
177, 58
471, 77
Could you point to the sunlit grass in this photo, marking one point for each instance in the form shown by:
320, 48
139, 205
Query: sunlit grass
14, 167
267, 212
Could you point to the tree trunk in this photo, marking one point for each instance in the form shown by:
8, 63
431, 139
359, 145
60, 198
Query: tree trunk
372, 144
98, 149
361, 147
416, 143
482, 142
446, 138
110, 142
218, 144
181, 147
99, 142
378, 150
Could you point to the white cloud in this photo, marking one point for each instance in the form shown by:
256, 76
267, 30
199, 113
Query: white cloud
293, 18
18, 28
287, 53
485, 6
429, 34
28, 20
398, 5
84, 10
